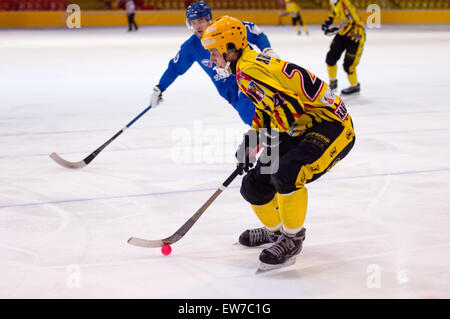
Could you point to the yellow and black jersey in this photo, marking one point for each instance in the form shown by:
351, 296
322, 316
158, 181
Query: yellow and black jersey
293, 9
351, 22
287, 97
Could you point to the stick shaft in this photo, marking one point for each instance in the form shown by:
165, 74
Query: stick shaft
137, 117
91, 156
191, 221
188, 224
94, 154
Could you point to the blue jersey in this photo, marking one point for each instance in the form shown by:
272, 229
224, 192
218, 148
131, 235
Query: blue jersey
192, 51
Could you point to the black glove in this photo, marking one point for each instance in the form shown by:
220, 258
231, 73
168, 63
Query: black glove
270, 138
326, 24
331, 31
247, 150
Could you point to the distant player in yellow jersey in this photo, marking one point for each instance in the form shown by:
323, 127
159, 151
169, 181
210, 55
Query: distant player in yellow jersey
297, 117
350, 38
294, 11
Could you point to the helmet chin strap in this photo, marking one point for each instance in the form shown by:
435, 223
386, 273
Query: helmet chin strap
225, 71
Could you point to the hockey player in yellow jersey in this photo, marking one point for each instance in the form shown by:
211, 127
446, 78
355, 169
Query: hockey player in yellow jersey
350, 38
305, 130
293, 10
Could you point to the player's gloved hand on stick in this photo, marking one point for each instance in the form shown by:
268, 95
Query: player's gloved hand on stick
270, 138
331, 31
247, 150
327, 24
156, 97
270, 52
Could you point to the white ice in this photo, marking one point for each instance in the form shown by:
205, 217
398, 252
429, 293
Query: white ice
378, 224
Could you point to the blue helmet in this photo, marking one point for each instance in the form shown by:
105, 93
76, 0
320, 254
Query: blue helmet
198, 10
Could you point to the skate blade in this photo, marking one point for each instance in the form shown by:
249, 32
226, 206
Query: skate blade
347, 96
251, 247
263, 267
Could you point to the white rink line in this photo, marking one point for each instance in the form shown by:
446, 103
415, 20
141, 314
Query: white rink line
213, 189
417, 131
184, 125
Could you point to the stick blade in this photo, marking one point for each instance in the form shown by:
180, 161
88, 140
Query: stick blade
58, 159
145, 242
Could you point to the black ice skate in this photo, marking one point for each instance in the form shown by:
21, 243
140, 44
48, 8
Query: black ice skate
282, 253
333, 85
351, 90
258, 236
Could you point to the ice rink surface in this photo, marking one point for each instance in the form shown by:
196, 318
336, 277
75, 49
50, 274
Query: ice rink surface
377, 224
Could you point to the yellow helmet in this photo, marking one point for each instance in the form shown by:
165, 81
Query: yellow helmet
222, 32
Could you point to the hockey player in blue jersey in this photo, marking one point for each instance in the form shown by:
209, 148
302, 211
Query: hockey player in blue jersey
198, 18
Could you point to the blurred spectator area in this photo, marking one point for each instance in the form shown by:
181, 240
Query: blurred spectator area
385, 4
55, 5
37, 5
213, 4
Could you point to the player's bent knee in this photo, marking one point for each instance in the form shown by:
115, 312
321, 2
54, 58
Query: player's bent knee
348, 68
256, 193
331, 58
283, 184
348, 65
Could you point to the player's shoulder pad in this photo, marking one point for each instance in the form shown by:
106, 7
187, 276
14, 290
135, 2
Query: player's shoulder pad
252, 64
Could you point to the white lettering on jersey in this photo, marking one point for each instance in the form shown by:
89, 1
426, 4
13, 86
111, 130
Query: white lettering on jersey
175, 59
219, 76
341, 111
207, 63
